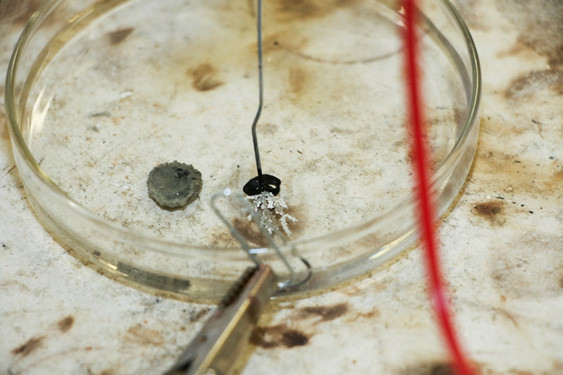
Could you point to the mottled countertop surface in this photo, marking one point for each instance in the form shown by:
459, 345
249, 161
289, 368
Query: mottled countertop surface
502, 248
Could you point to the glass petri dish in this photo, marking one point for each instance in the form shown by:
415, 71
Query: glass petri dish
100, 92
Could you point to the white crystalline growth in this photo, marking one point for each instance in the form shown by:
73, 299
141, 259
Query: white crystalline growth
273, 212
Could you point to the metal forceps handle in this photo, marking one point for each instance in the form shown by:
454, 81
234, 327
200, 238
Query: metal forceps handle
216, 348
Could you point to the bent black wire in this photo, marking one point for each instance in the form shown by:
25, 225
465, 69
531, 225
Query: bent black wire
262, 182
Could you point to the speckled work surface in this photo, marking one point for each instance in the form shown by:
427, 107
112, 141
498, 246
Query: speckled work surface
502, 249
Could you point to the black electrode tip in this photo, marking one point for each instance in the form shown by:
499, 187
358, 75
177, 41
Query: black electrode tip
262, 183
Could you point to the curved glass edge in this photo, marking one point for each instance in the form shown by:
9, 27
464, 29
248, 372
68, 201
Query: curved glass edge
463, 149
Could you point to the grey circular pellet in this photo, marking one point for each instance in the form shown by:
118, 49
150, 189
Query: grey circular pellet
174, 185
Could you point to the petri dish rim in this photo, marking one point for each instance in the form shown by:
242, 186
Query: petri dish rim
16, 110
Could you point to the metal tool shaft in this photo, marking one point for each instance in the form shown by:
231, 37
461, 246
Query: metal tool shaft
217, 347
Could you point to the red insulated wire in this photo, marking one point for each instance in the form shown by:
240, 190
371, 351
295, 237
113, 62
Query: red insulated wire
426, 206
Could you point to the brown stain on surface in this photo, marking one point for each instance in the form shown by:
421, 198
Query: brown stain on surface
18, 11
304, 10
250, 232
297, 80
438, 368
278, 336
4, 134
29, 347
222, 238
510, 173
556, 180
66, 323
325, 313
539, 25
530, 83
519, 49
373, 314
204, 77
491, 211
144, 336
199, 314
506, 314
118, 36
277, 42
467, 9
298, 226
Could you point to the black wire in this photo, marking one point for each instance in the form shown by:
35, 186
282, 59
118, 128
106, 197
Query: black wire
262, 182
260, 89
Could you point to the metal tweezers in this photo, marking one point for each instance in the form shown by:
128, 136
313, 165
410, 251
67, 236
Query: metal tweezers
217, 347
219, 344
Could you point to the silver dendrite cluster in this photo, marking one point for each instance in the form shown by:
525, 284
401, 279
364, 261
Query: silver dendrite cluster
272, 209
